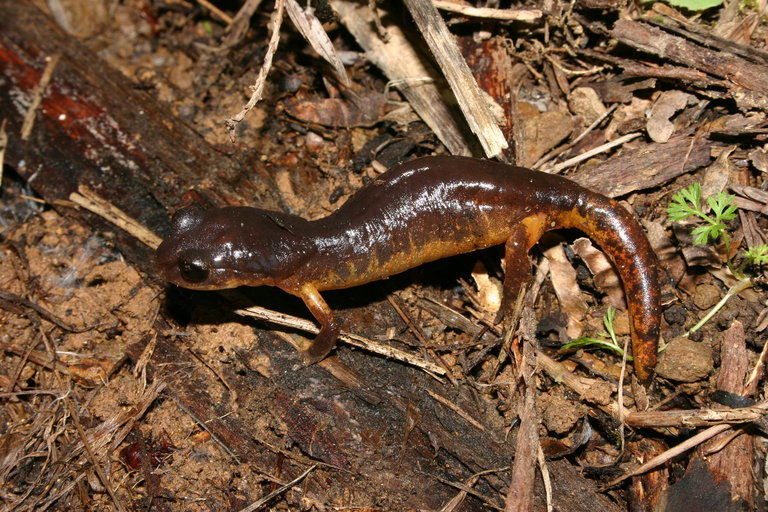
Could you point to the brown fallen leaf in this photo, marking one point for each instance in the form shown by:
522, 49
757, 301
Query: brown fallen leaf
660, 127
567, 289
605, 277
366, 109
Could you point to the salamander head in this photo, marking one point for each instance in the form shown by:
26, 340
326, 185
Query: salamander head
230, 247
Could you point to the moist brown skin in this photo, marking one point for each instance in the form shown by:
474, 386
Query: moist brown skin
416, 212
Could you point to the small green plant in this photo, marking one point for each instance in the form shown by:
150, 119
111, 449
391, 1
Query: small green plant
697, 5
607, 340
694, 5
687, 203
757, 255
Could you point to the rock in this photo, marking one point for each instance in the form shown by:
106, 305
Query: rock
685, 361
706, 296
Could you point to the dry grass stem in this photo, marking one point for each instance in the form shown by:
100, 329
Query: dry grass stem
473, 103
87, 199
37, 96
405, 68
312, 31
349, 338
487, 12
257, 88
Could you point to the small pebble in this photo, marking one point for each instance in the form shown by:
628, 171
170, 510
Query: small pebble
706, 296
685, 361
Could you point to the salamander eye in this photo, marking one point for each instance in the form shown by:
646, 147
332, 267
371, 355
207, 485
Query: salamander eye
193, 270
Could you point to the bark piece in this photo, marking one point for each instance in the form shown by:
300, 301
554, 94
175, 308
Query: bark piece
736, 72
647, 166
405, 68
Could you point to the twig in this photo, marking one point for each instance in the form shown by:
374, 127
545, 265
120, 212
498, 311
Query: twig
404, 66
37, 95
280, 490
240, 24
349, 338
314, 33
258, 87
466, 488
592, 152
218, 13
545, 476
757, 372
558, 151
473, 104
737, 288
487, 12
418, 334
520, 494
688, 418
92, 455
677, 450
455, 408
85, 198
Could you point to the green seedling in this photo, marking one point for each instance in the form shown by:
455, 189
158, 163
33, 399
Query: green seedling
757, 255
687, 203
694, 5
607, 339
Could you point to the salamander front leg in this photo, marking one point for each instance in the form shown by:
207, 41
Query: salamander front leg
330, 327
517, 273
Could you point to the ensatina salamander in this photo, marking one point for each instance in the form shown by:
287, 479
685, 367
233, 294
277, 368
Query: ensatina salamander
416, 212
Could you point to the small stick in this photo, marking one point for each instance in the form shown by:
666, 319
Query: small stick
488, 12
37, 96
85, 198
280, 490
349, 338
592, 152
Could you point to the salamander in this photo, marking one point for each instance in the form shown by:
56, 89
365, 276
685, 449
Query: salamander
419, 211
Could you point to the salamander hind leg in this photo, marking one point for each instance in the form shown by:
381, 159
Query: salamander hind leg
517, 273
330, 327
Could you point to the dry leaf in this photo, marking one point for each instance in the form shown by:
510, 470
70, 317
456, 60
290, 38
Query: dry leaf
365, 110
659, 126
541, 132
312, 30
759, 158
717, 175
585, 102
567, 289
605, 277
488, 292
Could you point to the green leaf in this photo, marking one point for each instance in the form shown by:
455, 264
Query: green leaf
678, 212
722, 207
585, 342
692, 194
702, 234
758, 254
695, 5
608, 318
685, 203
